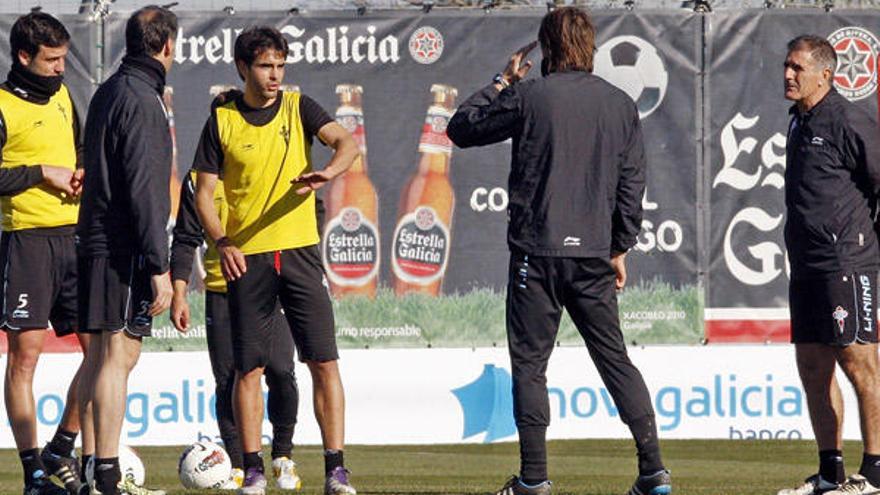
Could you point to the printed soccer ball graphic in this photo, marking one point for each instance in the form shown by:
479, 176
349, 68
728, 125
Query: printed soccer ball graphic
130, 465
633, 65
204, 465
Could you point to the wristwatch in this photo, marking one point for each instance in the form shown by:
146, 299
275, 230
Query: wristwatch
499, 79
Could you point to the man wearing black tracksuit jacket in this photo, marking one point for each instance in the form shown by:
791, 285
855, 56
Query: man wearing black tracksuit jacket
832, 177
123, 247
576, 183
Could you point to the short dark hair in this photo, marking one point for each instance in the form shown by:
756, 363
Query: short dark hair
568, 38
35, 29
255, 40
820, 49
148, 29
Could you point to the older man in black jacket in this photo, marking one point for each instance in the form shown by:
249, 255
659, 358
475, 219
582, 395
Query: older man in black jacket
576, 184
123, 269
832, 177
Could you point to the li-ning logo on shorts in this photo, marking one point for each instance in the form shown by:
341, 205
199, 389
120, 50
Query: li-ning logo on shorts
571, 241
867, 304
839, 316
857, 51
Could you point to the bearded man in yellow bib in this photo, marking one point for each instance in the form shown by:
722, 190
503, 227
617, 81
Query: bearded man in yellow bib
39, 181
260, 143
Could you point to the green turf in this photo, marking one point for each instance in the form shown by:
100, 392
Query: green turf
584, 467
651, 313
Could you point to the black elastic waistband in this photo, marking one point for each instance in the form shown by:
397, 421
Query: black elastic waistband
63, 230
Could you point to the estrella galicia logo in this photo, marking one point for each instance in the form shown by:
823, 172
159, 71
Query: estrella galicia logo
487, 404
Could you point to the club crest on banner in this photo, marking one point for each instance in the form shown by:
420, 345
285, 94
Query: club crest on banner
857, 50
426, 45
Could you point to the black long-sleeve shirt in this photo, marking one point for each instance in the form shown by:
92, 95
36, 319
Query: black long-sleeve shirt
188, 232
832, 177
125, 203
578, 168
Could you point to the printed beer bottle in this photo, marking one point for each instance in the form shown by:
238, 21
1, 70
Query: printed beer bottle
168, 100
351, 235
420, 248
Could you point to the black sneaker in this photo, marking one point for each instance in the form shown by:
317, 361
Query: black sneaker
515, 487
43, 486
65, 468
656, 484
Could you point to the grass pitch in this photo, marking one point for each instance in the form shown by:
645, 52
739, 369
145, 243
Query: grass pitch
583, 467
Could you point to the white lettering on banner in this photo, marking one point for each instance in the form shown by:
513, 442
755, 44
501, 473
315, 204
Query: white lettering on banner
667, 237
771, 162
766, 252
331, 45
495, 199
752, 393
647, 204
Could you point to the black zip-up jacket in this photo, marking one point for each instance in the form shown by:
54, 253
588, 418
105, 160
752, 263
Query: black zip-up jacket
832, 176
125, 203
578, 168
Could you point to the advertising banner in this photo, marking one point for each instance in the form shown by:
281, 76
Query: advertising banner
747, 288
414, 239
413, 396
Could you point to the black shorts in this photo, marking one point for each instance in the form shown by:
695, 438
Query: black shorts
295, 278
115, 294
218, 326
39, 279
838, 310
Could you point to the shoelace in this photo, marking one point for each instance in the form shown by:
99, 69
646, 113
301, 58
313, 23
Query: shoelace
854, 485
507, 489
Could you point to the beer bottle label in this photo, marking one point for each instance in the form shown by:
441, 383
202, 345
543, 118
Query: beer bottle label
434, 138
353, 122
351, 248
420, 249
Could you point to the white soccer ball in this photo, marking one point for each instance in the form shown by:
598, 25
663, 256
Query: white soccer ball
130, 465
204, 465
633, 65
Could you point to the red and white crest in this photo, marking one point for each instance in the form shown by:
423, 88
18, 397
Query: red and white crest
425, 218
857, 50
426, 45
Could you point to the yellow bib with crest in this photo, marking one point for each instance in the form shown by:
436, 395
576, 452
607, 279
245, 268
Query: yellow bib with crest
264, 212
38, 135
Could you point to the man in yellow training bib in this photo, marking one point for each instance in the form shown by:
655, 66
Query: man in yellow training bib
260, 143
39, 158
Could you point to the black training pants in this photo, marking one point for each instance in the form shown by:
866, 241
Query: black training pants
283, 399
538, 290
